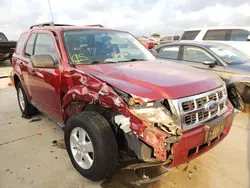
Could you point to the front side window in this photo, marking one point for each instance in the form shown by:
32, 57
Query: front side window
239, 35
103, 46
196, 54
219, 34
30, 45
190, 35
45, 46
229, 54
169, 52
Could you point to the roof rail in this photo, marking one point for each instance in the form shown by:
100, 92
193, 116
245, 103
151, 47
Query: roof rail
52, 24
94, 25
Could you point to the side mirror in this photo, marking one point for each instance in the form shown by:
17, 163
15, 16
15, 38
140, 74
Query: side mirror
210, 63
248, 38
43, 61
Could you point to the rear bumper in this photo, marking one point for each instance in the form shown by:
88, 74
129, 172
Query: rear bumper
191, 144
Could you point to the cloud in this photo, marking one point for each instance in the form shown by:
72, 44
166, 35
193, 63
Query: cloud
140, 17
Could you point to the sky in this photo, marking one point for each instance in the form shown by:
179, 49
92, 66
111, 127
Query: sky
139, 17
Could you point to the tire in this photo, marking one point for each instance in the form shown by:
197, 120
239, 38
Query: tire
99, 133
26, 108
236, 99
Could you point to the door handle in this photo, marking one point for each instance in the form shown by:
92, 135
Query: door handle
33, 73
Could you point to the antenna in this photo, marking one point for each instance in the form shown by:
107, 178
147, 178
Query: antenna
51, 11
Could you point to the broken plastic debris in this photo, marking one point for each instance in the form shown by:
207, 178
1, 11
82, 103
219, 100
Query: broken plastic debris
35, 120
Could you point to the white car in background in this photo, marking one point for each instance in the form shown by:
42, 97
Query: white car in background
237, 37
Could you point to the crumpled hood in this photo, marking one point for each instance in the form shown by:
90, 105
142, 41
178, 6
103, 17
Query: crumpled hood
155, 79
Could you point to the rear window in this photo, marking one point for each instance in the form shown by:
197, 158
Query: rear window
239, 35
3, 37
216, 35
20, 43
190, 35
169, 52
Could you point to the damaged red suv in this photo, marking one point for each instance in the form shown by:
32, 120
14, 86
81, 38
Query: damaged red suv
110, 94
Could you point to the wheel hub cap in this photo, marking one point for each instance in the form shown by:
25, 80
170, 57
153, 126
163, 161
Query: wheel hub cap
82, 148
21, 98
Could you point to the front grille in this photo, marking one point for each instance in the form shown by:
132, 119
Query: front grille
193, 109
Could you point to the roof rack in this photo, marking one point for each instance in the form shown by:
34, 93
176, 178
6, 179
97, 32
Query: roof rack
94, 25
52, 24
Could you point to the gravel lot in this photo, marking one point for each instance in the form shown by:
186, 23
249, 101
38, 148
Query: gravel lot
28, 158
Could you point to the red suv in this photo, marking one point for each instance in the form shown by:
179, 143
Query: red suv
110, 94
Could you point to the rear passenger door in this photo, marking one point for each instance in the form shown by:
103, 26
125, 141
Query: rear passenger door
45, 86
23, 61
195, 56
169, 52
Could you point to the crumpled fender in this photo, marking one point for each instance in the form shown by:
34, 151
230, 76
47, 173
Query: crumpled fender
86, 88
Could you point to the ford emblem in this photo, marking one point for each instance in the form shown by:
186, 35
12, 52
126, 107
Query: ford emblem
211, 106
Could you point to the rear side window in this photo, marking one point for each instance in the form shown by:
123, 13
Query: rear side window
190, 35
239, 35
45, 46
30, 45
20, 43
216, 35
169, 52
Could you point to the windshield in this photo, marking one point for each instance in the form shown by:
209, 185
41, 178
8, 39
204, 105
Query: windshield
230, 55
103, 46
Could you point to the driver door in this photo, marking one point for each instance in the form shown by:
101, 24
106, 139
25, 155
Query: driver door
195, 56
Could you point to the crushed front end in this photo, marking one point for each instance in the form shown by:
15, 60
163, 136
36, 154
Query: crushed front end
177, 130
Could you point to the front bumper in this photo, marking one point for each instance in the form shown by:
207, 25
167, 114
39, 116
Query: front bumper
191, 144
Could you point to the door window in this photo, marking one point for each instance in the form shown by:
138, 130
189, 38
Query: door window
196, 54
46, 46
30, 45
219, 34
20, 43
239, 35
169, 52
190, 35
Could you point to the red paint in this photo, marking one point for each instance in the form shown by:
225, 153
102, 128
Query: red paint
194, 138
52, 90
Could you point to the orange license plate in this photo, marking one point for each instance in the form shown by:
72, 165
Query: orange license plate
213, 131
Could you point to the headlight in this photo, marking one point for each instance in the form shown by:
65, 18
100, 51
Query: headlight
153, 114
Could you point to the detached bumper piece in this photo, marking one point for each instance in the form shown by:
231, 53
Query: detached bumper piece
146, 179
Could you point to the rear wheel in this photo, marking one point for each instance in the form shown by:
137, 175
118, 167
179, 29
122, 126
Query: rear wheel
236, 99
26, 108
91, 145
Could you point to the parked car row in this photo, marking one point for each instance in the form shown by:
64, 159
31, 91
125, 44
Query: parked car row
232, 65
6, 47
112, 96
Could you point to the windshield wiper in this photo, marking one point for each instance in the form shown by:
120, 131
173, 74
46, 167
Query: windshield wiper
134, 59
101, 62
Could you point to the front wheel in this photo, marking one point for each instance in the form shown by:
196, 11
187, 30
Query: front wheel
91, 145
236, 99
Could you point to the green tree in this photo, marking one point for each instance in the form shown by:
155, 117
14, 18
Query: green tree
155, 35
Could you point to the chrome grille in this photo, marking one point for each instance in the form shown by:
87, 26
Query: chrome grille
192, 109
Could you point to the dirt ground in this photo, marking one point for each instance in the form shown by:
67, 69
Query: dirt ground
29, 160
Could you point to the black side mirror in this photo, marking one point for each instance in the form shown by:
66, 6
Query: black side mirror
210, 63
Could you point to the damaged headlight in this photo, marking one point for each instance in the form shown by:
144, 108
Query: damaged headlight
153, 114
